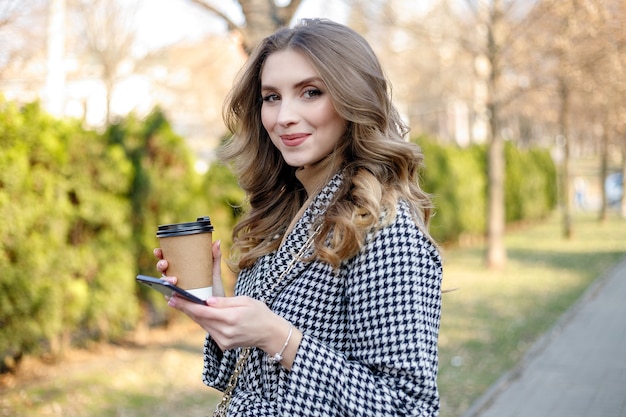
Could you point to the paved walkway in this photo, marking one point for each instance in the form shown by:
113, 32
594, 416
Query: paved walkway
578, 369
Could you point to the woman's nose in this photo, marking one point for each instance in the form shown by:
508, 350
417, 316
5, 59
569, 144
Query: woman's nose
288, 113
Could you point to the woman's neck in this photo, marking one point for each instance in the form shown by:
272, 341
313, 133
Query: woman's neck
315, 176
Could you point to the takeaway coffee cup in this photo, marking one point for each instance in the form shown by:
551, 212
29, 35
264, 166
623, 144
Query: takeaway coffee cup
187, 249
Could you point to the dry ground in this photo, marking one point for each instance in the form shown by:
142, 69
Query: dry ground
156, 374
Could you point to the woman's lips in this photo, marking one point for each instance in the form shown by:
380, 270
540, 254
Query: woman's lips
294, 139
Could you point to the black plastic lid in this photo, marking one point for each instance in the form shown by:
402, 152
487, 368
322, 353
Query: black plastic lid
201, 225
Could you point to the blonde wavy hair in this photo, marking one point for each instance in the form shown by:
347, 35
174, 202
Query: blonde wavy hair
379, 167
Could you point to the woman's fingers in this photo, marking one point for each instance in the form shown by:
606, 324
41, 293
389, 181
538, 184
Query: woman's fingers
171, 280
161, 266
218, 287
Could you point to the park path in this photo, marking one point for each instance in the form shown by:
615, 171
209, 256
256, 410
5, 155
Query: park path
578, 369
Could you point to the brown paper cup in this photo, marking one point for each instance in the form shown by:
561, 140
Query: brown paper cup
187, 247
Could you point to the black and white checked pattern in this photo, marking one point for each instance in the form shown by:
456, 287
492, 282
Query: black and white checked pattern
370, 329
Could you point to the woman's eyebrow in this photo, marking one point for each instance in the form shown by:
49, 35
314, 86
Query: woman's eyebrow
299, 84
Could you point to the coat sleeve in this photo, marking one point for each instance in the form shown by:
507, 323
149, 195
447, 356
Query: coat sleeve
218, 366
393, 293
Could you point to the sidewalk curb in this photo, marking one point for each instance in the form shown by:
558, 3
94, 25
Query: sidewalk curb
592, 291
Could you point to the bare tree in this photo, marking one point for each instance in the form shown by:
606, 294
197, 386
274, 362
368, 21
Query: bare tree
501, 25
478, 55
432, 74
262, 17
609, 74
581, 42
9, 11
20, 34
492, 17
108, 31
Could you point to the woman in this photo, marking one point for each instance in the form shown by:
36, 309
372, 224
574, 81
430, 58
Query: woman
338, 295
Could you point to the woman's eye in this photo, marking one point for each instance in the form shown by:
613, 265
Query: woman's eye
313, 92
271, 98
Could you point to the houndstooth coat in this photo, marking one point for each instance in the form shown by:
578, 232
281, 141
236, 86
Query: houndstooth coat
369, 344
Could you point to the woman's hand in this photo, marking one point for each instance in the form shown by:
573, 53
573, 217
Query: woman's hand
231, 321
242, 321
218, 287
235, 321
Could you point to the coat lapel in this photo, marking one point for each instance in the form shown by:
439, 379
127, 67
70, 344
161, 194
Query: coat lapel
297, 239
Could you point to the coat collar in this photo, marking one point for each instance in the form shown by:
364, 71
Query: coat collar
296, 239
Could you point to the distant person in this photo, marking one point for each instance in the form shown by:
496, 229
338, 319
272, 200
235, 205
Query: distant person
580, 193
338, 297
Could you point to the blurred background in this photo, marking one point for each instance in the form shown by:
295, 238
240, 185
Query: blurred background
110, 112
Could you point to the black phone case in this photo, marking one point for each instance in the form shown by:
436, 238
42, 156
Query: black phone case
167, 289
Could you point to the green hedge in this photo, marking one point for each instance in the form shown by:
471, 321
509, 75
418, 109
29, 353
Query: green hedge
457, 179
78, 216
530, 184
64, 234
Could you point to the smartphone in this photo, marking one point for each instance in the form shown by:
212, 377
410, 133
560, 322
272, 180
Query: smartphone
168, 289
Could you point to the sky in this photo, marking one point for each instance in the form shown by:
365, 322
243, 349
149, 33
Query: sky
163, 22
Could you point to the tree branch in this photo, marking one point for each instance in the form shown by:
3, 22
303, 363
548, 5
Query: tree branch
231, 24
285, 13
10, 11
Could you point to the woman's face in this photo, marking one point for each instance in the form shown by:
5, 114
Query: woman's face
297, 111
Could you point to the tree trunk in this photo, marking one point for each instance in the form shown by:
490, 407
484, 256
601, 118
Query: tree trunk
566, 188
496, 216
496, 213
604, 172
263, 17
261, 20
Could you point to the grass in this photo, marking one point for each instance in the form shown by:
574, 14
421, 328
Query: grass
495, 316
487, 326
